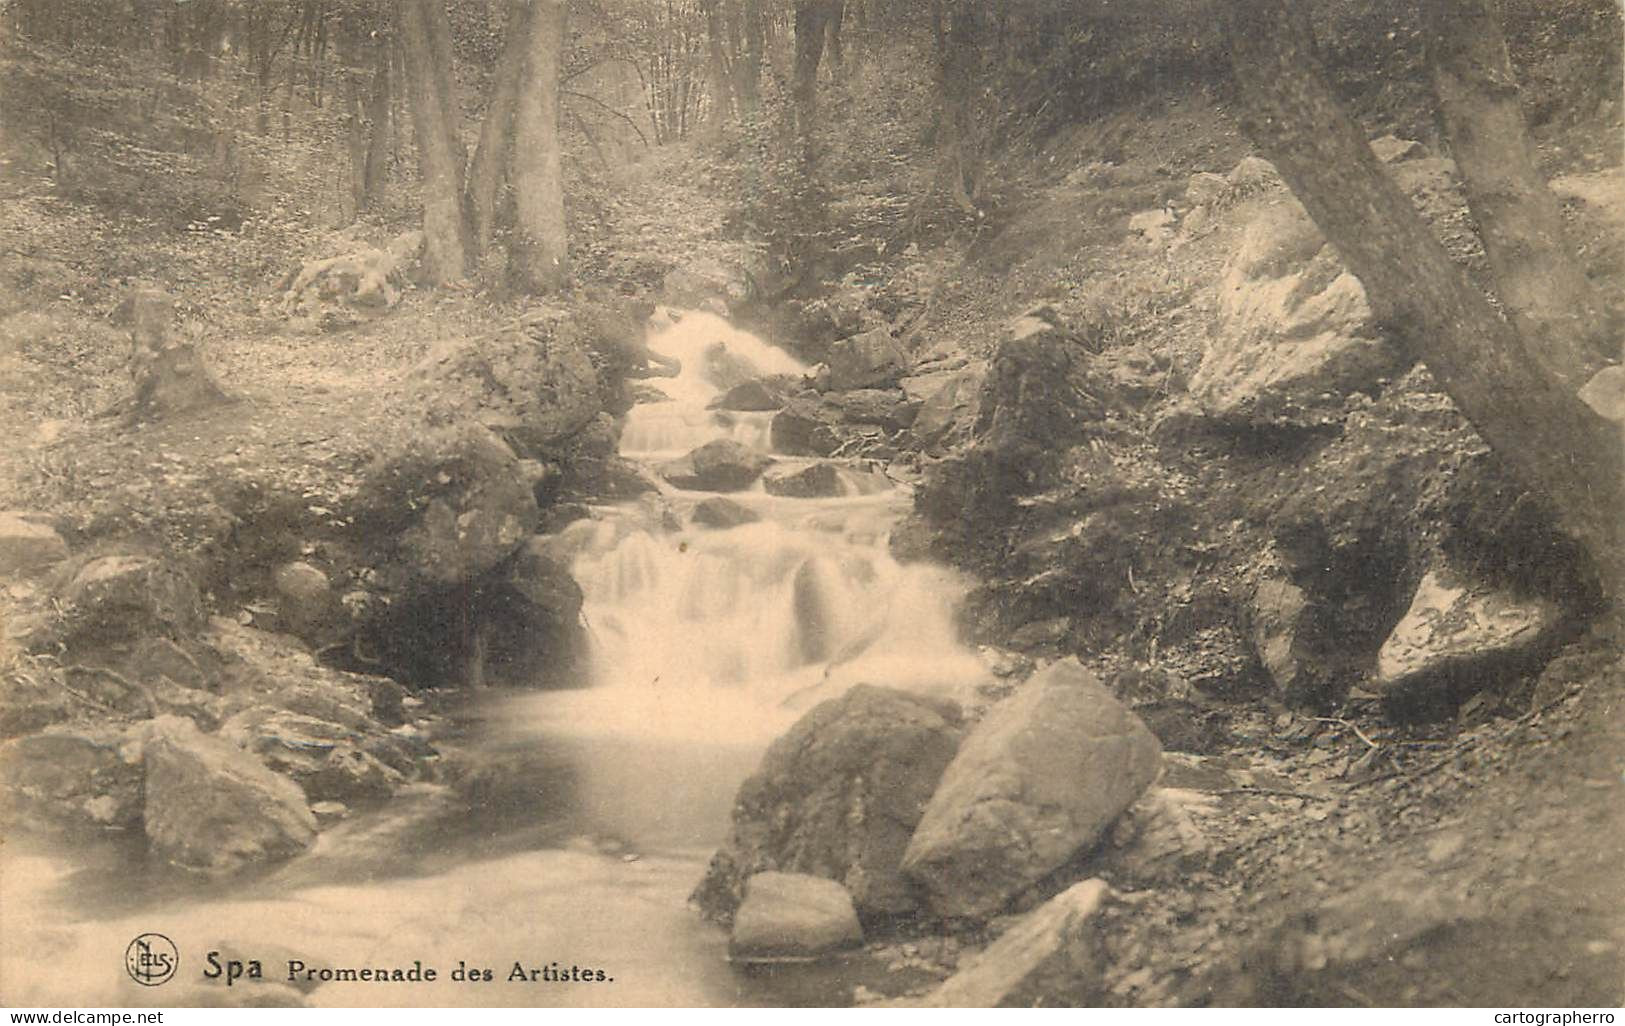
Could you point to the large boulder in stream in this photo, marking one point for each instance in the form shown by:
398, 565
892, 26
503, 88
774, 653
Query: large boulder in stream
813, 481
720, 466
806, 427
329, 761
213, 807
838, 797
758, 395
791, 917
1038, 780
822, 481
722, 513
530, 631
294, 712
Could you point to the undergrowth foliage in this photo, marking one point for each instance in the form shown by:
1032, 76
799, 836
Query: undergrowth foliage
781, 196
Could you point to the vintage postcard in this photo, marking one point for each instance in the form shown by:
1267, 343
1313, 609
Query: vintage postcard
812, 503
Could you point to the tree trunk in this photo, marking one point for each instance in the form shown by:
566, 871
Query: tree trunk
750, 79
447, 239
169, 375
720, 74
378, 112
539, 262
958, 144
1552, 441
445, 81
1545, 291
287, 105
496, 134
737, 58
399, 110
832, 33
812, 17
356, 144
318, 69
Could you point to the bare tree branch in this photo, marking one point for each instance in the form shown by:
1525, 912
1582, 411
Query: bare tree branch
620, 114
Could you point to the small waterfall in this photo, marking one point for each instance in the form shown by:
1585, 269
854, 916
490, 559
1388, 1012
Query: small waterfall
715, 356
768, 617
708, 643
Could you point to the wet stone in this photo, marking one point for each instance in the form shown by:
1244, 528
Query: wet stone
793, 916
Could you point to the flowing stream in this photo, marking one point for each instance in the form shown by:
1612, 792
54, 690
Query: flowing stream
580, 819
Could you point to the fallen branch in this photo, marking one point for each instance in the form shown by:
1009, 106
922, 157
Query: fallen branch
1467, 744
1276, 792
138, 689
1348, 725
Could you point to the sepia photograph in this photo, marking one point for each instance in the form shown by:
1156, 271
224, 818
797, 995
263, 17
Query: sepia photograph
588, 504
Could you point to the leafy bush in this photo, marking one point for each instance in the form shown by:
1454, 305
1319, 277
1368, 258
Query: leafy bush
781, 197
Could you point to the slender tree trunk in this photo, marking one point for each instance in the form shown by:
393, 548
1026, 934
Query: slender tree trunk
398, 110
356, 143
379, 109
738, 60
318, 68
958, 145
539, 261
718, 72
447, 239
832, 31
445, 81
307, 26
496, 134
755, 42
287, 105
1544, 289
812, 17
1547, 437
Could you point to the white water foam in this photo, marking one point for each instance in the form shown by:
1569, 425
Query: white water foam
727, 636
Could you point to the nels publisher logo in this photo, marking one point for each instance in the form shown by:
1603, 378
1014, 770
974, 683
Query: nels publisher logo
151, 959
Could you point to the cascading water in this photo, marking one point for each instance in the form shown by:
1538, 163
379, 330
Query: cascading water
767, 616
707, 643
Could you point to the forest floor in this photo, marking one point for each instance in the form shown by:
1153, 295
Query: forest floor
1489, 854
